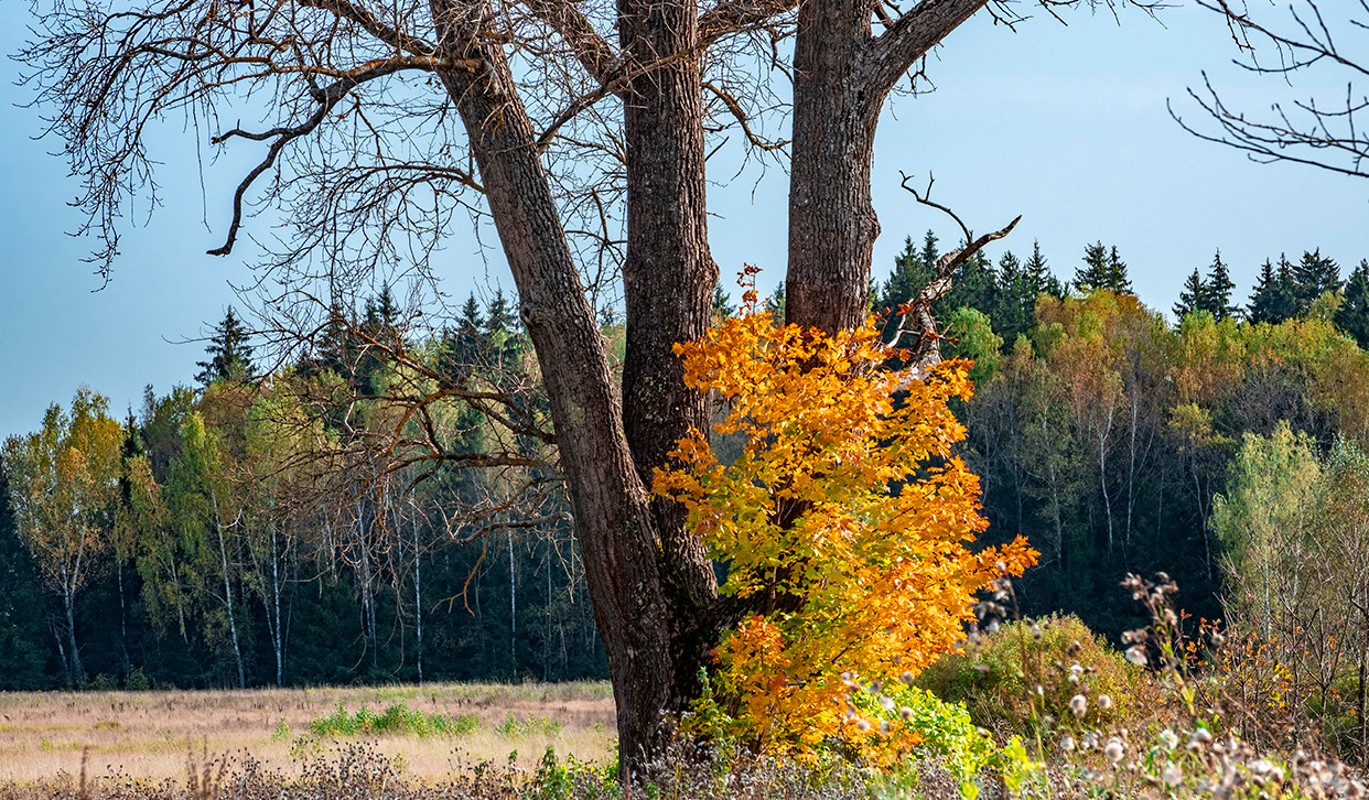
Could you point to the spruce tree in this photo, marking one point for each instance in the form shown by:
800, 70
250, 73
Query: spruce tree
1272, 300
1103, 269
1039, 277
1118, 280
910, 274
230, 353
774, 304
723, 307
499, 316
974, 286
1312, 276
1192, 297
1094, 274
1217, 300
1353, 314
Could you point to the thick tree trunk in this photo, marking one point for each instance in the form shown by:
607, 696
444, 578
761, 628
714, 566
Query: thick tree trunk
832, 224
668, 281
612, 513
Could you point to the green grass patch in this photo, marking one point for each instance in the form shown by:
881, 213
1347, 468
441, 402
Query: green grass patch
513, 727
395, 719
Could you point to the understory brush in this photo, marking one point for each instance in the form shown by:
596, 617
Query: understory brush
1180, 713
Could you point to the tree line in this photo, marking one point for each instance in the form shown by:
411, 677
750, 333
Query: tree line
1103, 431
273, 529
230, 535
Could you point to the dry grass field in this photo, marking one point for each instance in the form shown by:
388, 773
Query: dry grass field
146, 735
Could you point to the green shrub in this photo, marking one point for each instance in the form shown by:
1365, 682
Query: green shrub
1013, 679
513, 727
396, 719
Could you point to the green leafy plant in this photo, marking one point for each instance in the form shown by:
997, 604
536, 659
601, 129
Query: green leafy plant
395, 719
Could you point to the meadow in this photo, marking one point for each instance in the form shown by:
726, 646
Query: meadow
431, 731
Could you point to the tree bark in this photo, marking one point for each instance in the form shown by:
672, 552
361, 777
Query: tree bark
842, 75
668, 281
832, 223
610, 502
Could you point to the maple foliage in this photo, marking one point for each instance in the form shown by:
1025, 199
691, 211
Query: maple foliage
844, 524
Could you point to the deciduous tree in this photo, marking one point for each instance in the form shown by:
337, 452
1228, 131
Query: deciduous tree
64, 487
580, 128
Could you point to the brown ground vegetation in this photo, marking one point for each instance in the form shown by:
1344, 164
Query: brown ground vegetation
145, 736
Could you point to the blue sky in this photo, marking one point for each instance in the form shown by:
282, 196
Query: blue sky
1064, 125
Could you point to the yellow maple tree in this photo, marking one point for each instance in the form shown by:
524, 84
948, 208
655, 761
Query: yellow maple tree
844, 525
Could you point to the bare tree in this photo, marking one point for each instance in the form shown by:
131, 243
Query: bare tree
1325, 132
383, 125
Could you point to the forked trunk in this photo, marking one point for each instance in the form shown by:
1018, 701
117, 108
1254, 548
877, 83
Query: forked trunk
610, 503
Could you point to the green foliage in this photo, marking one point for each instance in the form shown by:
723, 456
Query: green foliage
1103, 270
22, 638
1353, 314
1265, 522
996, 677
971, 337
513, 728
396, 720
573, 779
229, 351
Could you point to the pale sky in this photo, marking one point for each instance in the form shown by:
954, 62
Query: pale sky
1064, 125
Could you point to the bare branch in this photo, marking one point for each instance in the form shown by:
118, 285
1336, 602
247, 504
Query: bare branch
1328, 137
742, 119
598, 57
927, 352
400, 40
327, 97
736, 16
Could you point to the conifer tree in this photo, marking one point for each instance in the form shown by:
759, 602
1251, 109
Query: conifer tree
1273, 301
723, 307
22, 638
974, 286
1193, 297
910, 274
1039, 277
1312, 276
1218, 286
1016, 300
1353, 314
774, 305
1103, 269
230, 353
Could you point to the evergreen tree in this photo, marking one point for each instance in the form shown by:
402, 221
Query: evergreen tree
1118, 280
1016, 303
1218, 287
1192, 297
1353, 314
910, 274
382, 312
1103, 269
974, 286
774, 304
229, 351
1039, 278
1312, 276
723, 307
23, 640
929, 254
462, 343
1273, 300
499, 316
